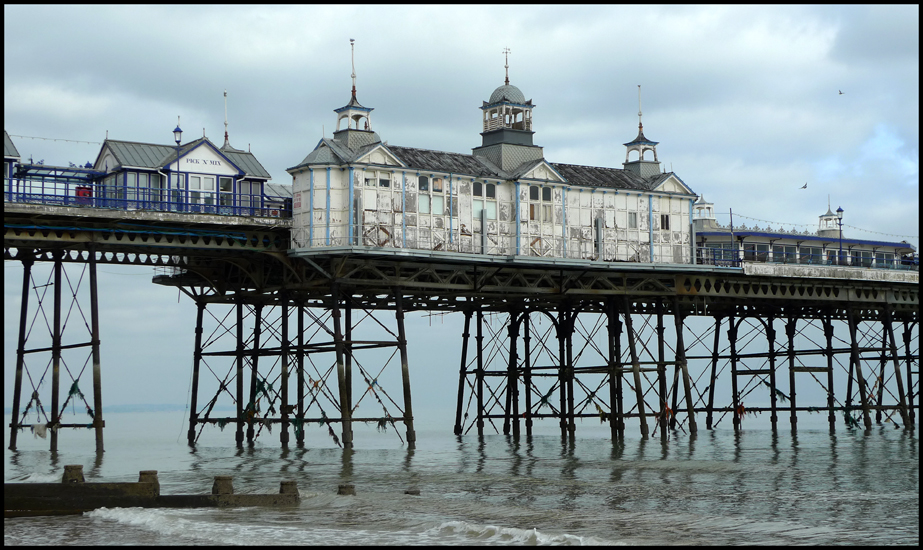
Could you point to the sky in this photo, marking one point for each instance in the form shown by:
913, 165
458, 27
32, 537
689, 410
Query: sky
744, 101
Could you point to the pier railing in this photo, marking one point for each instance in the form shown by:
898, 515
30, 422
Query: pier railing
67, 192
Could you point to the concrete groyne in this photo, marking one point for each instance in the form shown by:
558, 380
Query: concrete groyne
75, 496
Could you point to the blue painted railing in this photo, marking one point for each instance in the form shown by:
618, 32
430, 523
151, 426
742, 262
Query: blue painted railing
51, 191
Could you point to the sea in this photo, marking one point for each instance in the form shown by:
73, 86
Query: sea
759, 486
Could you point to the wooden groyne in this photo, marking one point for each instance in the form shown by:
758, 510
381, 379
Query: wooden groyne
75, 496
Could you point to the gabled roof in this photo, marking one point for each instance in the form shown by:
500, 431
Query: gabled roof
141, 155
246, 162
597, 176
331, 151
156, 156
663, 178
9, 150
327, 151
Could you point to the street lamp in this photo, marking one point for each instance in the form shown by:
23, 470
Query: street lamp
177, 137
839, 221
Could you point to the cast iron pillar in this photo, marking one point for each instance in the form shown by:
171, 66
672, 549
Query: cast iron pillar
27, 262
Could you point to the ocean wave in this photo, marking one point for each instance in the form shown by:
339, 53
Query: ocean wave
493, 534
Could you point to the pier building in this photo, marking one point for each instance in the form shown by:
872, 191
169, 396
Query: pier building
504, 198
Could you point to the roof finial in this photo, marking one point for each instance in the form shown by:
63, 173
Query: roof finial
506, 65
226, 143
352, 56
639, 107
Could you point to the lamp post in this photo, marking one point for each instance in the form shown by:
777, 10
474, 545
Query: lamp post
839, 221
177, 137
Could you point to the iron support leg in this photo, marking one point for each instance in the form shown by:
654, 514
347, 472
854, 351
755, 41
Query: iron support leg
909, 361
883, 362
405, 371
285, 408
56, 352
831, 401
732, 339
239, 436
857, 363
773, 399
790, 330
512, 381
681, 358
527, 375
21, 349
254, 371
661, 374
714, 372
196, 362
905, 417
462, 373
299, 431
569, 373
479, 340
614, 369
98, 422
345, 412
635, 368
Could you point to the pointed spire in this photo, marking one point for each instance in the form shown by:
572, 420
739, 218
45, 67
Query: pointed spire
640, 127
352, 56
226, 142
506, 65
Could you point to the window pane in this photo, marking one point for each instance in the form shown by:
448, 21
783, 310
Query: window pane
384, 180
533, 193
632, 220
424, 204
369, 181
546, 194
491, 210
143, 180
438, 203
424, 183
491, 191
476, 207
195, 182
208, 183
476, 189
437, 184
225, 184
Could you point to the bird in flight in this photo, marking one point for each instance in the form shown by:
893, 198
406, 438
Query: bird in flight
805, 186
841, 92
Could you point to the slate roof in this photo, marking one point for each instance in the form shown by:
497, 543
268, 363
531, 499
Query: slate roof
9, 150
248, 163
277, 189
471, 165
597, 176
441, 161
155, 156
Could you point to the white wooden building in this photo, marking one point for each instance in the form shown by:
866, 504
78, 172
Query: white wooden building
504, 198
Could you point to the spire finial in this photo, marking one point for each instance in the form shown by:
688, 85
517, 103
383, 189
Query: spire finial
639, 107
506, 65
226, 143
352, 55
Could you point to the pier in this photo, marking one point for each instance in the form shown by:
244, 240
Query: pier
650, 347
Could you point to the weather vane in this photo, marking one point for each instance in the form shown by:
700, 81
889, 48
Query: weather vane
352, 55
639, 106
